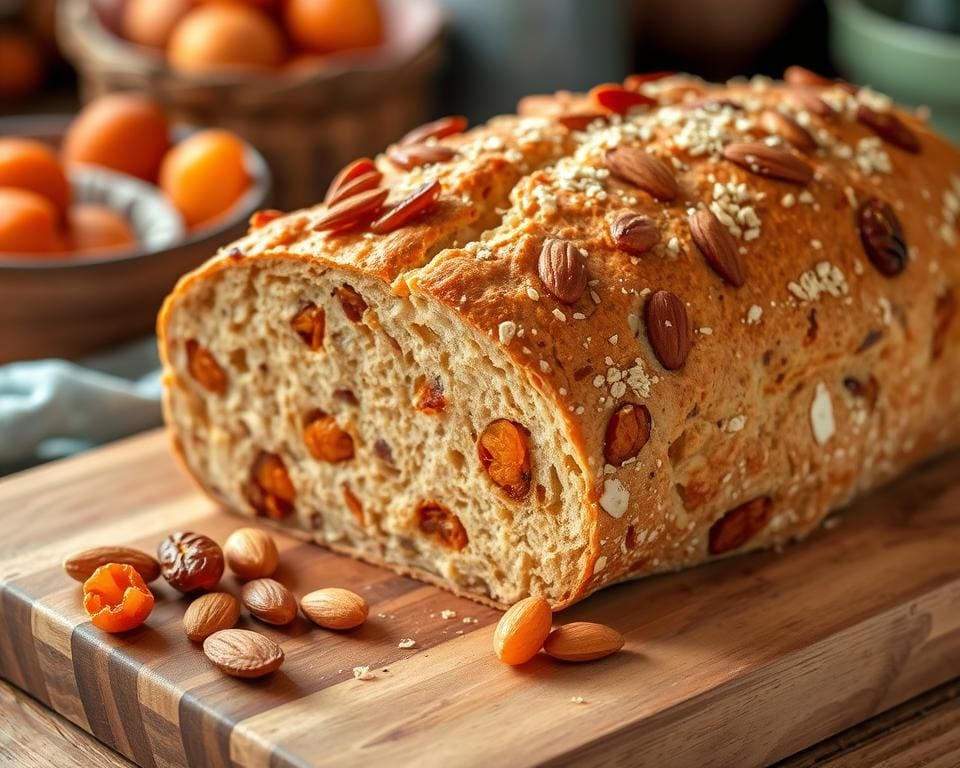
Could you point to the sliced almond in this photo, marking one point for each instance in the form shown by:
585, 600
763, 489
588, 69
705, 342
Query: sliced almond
210, 613
335, 608
351, 211
718, 246
350, 173
414, 155
643, 170
773, 162
413, 206
242, 653
808, 101
269, 601
667, 329
437, 129
81, 565
578, 121
562, 270
583, 641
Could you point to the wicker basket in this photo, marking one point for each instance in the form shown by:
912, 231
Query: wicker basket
308, 124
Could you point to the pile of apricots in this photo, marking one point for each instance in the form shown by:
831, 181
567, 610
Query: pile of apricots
203, 176
216, 36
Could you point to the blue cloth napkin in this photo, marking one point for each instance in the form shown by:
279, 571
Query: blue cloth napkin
53, 408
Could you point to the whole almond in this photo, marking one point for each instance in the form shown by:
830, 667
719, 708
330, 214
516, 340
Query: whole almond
888, 127
335, 608
438, 129
634, 233
718, 246
668, 329
269, 601
808, 101
797, 75
242, 653
81, 565
583, 641
643, 170
562, 270
521, 630
210, 613
779, 124
773, 162
251, 553
413, 206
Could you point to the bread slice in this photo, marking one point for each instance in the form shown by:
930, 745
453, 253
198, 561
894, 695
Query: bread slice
583, 364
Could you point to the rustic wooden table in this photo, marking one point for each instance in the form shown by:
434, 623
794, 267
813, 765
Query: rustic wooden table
922, 732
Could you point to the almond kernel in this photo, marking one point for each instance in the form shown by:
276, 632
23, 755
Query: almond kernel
583, 641
269, 601
251, 553
335, 608
210, 613
522, 630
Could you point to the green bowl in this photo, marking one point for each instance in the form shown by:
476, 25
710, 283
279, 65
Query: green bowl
915, 65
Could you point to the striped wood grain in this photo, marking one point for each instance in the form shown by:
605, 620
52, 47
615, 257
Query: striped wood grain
742, 662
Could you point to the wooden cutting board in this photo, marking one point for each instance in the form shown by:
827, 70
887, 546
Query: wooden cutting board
740, 663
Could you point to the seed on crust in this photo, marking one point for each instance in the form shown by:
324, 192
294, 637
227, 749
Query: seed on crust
628, 430
505, 455
779, 124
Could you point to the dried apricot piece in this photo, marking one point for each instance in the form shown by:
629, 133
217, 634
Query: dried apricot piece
204, 368
627, 432
352, 302
325, 439
310, 323
270, 491
116, 598
353, 503
441, 524
430, 398
505, 455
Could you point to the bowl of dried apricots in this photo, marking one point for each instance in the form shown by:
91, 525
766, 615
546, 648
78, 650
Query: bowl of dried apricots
101, 212
312, 83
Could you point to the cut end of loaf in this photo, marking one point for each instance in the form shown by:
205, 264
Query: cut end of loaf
378, 424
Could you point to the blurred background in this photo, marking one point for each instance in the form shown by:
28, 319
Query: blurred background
138, 136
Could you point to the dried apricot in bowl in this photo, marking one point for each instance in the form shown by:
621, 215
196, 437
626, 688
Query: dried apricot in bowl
29, 164
116, 598
205, 174
28, 223
93, 228
226, 37
127, 132
323, 26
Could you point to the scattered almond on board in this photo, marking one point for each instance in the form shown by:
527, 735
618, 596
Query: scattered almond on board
193, 563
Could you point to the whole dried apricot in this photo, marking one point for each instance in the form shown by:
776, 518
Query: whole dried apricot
116, 598
323, 26
505, 455
205, 174
127, 132
94, 228
270, 491
28, 223
31, 165
221, 37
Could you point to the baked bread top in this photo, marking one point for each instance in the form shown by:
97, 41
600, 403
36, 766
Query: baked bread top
691, 259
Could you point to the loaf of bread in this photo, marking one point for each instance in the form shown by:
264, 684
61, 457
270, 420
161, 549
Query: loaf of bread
619, 333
